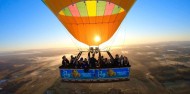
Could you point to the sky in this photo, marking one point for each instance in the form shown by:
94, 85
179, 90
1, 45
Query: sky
29, 24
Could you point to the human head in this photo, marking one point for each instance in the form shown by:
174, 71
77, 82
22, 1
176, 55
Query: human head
102, 56
116, 55
93, 55
121, 56
85, 59
125, 58
71, 56
81, 59
63, 57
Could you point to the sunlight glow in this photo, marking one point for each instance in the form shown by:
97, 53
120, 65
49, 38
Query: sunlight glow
97, 39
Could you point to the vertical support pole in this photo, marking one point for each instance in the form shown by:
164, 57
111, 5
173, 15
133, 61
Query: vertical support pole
111, 57
78, 56
99, 58
89, 57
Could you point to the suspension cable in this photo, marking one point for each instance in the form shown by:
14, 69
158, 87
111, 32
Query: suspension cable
74, 42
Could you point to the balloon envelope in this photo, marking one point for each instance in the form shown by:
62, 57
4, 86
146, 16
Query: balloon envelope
91, 21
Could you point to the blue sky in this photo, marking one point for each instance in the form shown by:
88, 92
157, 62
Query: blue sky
29, 24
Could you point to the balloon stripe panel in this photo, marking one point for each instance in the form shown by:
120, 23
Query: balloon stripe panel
91, 7
82, 8
116, 9
109, 8
101, 5
74, 11
67, 11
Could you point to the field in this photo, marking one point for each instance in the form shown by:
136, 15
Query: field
160, 68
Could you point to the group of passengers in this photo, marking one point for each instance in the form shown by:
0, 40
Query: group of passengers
83, 63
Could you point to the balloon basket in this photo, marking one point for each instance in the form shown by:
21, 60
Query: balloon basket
95, 75
99, 74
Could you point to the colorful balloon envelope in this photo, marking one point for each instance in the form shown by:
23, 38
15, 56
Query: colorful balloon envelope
92, 22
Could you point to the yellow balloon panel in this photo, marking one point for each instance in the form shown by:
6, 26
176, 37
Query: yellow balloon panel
91, 8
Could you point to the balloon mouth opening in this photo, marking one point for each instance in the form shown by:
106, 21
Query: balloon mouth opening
91, 9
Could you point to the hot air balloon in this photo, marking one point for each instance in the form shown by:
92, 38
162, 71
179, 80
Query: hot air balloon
91, 22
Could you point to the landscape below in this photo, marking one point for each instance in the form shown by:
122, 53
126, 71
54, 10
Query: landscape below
160, 67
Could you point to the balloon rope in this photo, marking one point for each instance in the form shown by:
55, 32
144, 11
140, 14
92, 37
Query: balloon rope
113, 25
68, 34
74, 41
124, 36
118, 29
114, 37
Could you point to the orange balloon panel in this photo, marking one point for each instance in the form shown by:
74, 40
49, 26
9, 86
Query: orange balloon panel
87, 31
91, 22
